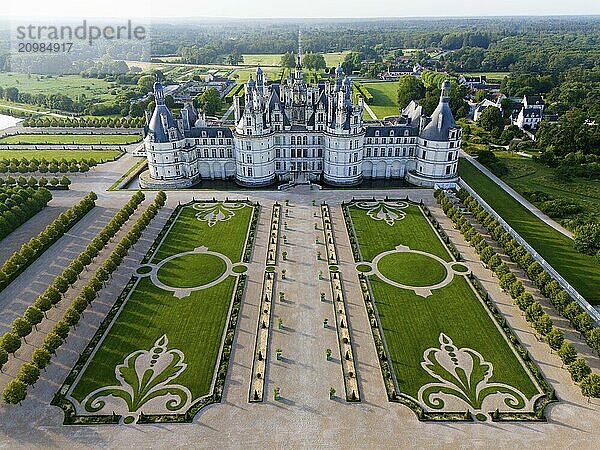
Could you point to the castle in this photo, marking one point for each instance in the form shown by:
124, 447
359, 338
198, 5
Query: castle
300, 133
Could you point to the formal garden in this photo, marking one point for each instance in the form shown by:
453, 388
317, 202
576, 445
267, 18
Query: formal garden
71, 139
444, 350
162, 353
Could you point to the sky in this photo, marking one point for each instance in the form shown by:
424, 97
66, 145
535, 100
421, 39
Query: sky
294, 8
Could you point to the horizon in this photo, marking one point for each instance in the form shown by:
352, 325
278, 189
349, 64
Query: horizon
309, 9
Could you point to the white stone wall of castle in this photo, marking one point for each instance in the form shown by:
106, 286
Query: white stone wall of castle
254, 159
343, 157
437, 159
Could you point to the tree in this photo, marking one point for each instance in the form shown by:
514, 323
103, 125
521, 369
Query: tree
567, 353
71, 317
491, 119
209, 101
33, 315
590, 386
14, 392
3, 357
40, 357
543, 325
587, 238
52, 342
29, 373
409, 88
593, 339
288, 60
234, 58
21, 327
555, 339
579, 369
64, 181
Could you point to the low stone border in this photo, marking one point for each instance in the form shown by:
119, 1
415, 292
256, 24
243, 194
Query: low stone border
332, 257
344, 340
261, 349
274, 235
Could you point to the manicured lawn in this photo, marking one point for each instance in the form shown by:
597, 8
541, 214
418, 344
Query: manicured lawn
580, 270
98, 155
412, 233
385, 98
412, 324
117, 139
194, 324
412, 269
191, 270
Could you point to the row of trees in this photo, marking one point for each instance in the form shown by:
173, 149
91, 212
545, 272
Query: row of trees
16, 389
35, 182
96, 122
18, 204
54, 166
542, 323
31, 250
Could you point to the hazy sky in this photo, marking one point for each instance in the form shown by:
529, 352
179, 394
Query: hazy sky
294, 8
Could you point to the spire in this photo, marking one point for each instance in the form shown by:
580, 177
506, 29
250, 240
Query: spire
159, 95
299, 48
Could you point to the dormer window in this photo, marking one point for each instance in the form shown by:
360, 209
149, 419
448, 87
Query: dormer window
391, 132
377, 133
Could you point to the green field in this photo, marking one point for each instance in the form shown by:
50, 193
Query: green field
77, 139
580, 270
526, 176
418, 270
98, 155
193, 324
491, 76
273, 60
385, 98
74, 85
412, 324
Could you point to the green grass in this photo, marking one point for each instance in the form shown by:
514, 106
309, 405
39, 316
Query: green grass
331, 59
412, 233
526, 175
363, 268
194, 324
412, 324
192, 270
491, 76
385, 98
580, 270
412, 269
116, 139
74, 85
98, 155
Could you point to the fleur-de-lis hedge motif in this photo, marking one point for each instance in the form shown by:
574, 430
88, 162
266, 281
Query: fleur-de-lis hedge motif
464, 374
213, 213
389, 211
143, 376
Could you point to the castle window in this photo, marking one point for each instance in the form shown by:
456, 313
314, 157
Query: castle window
305, 153
277, 153
249, 171
376, 134
450, 156
398, 140
249, 159
293, 140
219, 134
391, 132
451, 144
305, 140
212, 141
390, 151
174, 145
277, 165
222, 153
424, 154
228, 141
368, 152
354, 170
404, 151
248, 122
349, 171
355, 157
397, 153
320, 117
204, 141
229, 153
320, 153
405, 132
411, 152
206, 153
375, 151
220, 141
424, 143
214, 152
204, 135
248, 146
293, 152
276, 117
197, 141
447, 170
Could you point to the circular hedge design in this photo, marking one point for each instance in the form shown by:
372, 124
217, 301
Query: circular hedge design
363, 268
460, 268
412, 269
143, 270
191, 270
334, 268
239, 269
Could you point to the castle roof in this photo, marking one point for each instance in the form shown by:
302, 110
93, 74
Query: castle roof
442, 120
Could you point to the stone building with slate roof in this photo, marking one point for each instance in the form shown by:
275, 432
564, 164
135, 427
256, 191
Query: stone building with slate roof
300, 133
